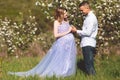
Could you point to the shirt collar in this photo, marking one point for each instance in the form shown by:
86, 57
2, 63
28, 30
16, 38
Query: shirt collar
88, 14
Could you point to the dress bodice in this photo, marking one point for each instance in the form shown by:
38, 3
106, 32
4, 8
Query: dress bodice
63, 27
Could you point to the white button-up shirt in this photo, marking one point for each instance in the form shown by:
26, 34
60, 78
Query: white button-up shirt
89, 30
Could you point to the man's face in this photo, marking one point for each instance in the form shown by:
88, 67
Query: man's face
84, 10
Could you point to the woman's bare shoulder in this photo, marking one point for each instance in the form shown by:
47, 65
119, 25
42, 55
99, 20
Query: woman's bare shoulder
56, 22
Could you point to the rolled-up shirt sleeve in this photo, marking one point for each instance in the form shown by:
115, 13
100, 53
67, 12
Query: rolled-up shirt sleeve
79, 32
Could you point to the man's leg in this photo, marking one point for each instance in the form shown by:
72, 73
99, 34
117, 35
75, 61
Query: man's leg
88, 54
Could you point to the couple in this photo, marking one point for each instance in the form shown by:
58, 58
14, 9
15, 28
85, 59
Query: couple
60, 61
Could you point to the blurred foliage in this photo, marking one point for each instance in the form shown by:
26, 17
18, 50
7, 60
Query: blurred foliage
32, 20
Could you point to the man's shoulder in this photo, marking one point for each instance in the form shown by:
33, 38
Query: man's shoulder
92, 16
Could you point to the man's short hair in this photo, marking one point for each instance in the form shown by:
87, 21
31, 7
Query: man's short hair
84, 3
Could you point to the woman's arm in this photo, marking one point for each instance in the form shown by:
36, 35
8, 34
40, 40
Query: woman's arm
56, 34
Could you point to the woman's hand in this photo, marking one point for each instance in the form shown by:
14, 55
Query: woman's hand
70, 29
74, 29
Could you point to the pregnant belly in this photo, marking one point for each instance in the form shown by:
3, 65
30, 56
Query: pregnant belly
68, 37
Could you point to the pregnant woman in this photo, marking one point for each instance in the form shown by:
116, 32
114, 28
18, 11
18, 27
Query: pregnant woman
60, 60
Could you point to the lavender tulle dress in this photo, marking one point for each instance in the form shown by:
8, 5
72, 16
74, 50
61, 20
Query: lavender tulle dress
60, 60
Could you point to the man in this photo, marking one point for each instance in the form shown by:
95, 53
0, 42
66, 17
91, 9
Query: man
88, 35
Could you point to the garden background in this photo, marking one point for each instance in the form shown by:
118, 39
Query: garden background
26, 34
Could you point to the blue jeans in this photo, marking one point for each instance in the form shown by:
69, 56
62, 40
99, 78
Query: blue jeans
88, 55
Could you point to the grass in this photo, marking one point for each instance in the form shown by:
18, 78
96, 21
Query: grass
106, 68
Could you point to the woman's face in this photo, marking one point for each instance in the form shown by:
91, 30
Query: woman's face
65, 14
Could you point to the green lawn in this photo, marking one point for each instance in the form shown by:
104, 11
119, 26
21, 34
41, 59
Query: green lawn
107, 68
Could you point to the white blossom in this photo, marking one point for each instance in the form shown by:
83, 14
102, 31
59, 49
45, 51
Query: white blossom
37, 3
